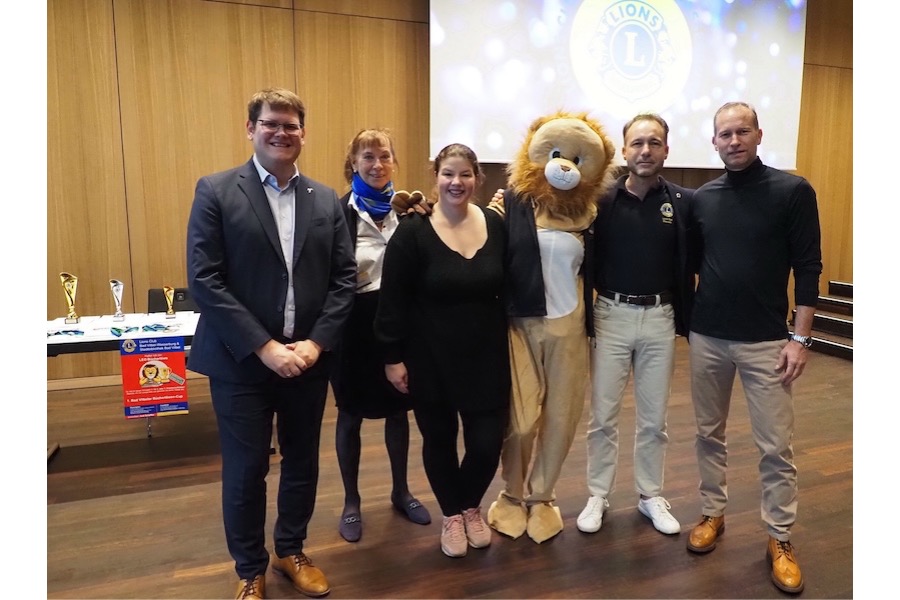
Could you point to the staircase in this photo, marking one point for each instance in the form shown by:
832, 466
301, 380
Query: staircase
832, 328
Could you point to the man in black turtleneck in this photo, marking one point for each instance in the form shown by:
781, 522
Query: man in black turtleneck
754, 225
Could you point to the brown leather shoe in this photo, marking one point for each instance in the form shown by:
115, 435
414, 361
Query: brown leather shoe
251, 589
307, 579
705, 534
785, 570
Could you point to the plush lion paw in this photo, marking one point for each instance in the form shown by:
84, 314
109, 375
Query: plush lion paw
544, 521
407, 203
508, 516
496, 203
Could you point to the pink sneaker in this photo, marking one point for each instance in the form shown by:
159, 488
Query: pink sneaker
453, 536
477, 531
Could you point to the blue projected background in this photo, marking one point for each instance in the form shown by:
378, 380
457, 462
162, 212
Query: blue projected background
497, 65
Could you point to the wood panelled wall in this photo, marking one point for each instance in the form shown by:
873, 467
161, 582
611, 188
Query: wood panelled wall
146, 97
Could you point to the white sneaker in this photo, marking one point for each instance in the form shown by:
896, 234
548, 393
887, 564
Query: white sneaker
657, 510
592, 516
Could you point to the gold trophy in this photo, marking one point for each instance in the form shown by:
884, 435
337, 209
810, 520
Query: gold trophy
116, 287
70, 285
169, 293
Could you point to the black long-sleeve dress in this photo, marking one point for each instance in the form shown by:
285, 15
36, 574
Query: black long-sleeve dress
443, 316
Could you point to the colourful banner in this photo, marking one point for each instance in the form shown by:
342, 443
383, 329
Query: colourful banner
153, 377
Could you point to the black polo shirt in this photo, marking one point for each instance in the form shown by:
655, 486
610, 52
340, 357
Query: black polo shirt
635, 249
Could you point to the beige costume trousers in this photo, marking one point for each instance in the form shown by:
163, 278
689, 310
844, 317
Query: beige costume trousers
549, 359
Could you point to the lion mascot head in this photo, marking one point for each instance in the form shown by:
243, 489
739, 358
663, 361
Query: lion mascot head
564, 166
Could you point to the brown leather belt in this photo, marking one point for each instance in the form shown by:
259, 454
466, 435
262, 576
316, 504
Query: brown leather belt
649, 300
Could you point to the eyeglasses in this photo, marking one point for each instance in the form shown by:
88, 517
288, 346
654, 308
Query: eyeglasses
274, 126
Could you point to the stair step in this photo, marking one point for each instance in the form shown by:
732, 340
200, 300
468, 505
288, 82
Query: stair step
840, 288
834, 323
833, 346
835, 304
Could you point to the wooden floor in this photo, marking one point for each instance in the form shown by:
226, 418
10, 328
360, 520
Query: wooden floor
135, 517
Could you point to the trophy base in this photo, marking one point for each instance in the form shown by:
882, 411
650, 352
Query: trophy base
172, 316
73, 320
118, 318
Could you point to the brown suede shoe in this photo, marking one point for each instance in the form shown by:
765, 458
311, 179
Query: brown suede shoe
705, 534
251, 589
307, 579
785, 570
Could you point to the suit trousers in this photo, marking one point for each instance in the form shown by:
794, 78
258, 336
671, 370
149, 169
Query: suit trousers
770, 404
629, 337
244, 414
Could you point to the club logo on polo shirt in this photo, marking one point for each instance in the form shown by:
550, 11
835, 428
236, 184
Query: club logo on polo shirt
667, 212
629, 51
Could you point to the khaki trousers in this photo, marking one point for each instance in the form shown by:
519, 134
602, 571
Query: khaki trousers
550, 376
640, 338
771, 407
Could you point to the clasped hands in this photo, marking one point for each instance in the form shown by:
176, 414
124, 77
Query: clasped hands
289, 360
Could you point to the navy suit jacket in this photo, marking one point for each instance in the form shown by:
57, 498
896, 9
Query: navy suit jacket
238, 277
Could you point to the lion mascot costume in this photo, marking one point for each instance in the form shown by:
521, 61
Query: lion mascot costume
549, 206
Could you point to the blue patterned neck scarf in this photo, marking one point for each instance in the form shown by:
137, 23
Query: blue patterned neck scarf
376, 203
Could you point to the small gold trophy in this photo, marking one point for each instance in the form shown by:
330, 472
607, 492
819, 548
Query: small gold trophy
169, 292
70, 285
116, 287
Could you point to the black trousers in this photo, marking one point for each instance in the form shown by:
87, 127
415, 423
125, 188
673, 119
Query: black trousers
459, 485
244, 414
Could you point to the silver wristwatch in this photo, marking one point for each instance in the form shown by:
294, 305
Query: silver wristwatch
806, 340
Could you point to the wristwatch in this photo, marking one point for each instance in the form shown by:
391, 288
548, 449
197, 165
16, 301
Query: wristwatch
806, 340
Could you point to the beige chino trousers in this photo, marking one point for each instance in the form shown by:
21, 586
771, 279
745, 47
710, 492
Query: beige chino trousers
629, 337
714, 363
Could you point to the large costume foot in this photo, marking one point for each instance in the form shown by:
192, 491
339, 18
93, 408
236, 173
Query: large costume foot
544, 521
508, 516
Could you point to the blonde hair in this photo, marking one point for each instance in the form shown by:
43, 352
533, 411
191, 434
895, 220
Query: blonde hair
368, 138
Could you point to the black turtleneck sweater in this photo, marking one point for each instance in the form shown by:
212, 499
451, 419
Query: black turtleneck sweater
754, 226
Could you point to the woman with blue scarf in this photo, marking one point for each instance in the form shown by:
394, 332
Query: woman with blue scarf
360, 388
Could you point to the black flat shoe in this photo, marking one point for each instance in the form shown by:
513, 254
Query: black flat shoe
351, 527
414, 511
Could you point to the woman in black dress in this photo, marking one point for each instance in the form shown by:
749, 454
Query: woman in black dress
442, 322
360, 388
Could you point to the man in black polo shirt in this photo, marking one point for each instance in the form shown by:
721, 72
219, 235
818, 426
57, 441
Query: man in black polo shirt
644, 293
754, 225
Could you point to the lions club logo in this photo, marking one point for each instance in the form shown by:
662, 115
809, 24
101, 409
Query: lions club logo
629, 51
667, 212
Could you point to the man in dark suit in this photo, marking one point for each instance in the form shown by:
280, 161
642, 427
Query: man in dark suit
644, 290
271, 268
